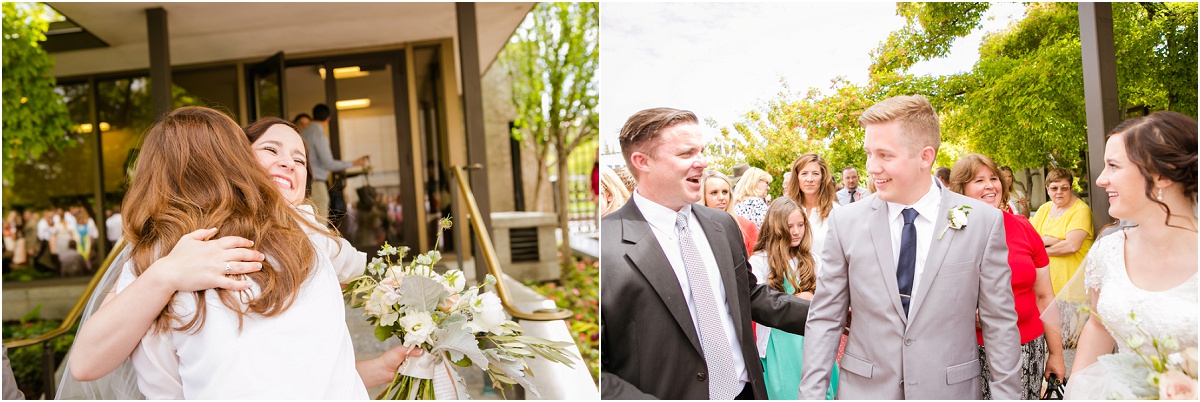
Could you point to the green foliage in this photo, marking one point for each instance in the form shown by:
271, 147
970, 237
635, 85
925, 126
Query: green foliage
27, 362
579, 292
552, 61
35, 117
1021, 104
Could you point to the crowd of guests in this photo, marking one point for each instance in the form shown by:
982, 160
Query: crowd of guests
63, 242
784, 237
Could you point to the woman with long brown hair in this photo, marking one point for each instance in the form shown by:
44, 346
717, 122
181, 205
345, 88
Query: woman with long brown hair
783, 261
280, 318
812, 186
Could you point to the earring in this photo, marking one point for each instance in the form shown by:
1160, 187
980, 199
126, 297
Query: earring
1160, 193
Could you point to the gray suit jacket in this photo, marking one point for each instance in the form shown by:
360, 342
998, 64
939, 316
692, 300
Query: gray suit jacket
932, 353
649, 344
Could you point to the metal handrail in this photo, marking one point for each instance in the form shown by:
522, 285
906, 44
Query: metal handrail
77, 310
493, 264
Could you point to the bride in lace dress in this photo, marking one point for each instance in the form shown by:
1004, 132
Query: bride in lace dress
1142, 281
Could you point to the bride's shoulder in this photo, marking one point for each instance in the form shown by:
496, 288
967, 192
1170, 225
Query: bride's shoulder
1103, 258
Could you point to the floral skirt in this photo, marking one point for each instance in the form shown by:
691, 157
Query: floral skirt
1033, 365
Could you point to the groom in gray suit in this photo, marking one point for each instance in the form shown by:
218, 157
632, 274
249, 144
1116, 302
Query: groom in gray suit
678, 295
912, 263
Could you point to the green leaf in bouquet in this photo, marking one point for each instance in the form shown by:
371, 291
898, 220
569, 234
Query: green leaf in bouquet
421, 293
513, 368
463, 362
383, 333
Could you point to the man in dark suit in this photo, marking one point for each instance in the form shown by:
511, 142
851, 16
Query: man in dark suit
678, 295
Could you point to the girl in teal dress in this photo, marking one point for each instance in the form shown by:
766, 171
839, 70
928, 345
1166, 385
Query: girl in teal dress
783, 261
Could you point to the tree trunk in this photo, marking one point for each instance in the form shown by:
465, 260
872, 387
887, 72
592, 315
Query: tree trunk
564, 193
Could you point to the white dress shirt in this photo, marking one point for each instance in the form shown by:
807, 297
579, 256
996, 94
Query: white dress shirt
927, 209
662, 223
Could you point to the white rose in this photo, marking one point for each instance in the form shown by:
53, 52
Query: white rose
487, 314
958, 218
417, 325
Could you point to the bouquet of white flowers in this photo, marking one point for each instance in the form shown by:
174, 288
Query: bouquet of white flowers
1153, 368
455, 325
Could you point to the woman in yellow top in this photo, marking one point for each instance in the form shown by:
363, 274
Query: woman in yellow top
1065, 224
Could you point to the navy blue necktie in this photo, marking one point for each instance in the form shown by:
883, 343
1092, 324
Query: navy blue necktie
906, 267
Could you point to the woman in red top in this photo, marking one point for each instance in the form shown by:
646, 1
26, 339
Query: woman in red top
975, 176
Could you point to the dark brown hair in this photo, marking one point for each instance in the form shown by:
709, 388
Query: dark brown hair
1163, 144
641, 129
260, 127
197, 167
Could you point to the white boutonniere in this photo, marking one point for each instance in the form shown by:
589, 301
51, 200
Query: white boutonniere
957, 218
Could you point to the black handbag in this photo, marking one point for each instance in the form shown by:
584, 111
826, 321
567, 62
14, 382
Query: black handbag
1054, 388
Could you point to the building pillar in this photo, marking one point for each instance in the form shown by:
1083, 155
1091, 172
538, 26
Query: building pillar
468, 53
160, 60
1100, 95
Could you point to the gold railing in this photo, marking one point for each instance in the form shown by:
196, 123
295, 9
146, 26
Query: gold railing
77, 310
493, 264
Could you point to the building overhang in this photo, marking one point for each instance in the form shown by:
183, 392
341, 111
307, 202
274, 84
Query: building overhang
212, 32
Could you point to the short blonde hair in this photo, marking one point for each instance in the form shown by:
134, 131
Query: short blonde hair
745, 187
610, 183
918, 120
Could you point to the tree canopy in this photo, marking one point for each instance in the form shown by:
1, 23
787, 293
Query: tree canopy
1022, 103
552, 60
35, 115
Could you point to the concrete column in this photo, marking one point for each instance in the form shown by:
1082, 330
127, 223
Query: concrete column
1100, 94
98, 167
160, 60
468, 53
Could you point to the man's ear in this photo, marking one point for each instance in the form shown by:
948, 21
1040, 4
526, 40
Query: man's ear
640, 162
928, 157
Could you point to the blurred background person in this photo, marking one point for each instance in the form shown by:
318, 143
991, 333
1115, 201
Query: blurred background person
613, 193
1065, 224
715, 187
750, 195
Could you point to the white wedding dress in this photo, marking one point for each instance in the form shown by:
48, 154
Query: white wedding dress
1157, 315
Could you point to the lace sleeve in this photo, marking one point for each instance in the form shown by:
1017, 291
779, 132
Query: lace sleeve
1095, 265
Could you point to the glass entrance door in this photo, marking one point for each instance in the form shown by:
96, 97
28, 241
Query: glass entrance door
265, 92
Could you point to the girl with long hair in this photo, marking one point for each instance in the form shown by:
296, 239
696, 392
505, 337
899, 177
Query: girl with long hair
277, 315
812, 187
783, 261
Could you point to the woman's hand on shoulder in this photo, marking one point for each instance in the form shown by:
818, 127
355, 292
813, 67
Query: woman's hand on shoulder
197, 263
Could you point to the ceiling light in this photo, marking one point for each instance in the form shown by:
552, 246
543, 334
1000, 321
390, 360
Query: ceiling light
345, 72
354, 104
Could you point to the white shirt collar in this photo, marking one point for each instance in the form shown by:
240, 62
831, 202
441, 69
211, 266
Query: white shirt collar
658, 216
927, 206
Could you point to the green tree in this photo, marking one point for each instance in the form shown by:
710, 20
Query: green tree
35, 116
552, 60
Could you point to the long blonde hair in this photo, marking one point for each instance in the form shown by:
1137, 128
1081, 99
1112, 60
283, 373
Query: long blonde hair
776, 241
712, 174
611, 184
826, 191
747, 186
198, 171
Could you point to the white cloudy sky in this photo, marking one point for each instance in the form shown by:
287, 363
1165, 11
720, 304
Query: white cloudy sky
720, 59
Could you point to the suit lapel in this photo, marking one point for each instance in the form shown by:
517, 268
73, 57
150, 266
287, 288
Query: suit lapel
938, 248
724, 257
882, 241
647, 257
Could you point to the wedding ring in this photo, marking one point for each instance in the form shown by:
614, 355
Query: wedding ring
227, 270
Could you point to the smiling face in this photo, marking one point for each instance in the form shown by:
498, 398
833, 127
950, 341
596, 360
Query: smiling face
796, 227
670, 174
716, 193
899, 172
809, 177
281, 151
764, 186
1124, 184
985, 186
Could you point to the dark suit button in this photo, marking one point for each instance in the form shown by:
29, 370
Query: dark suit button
907, 342
701, 376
